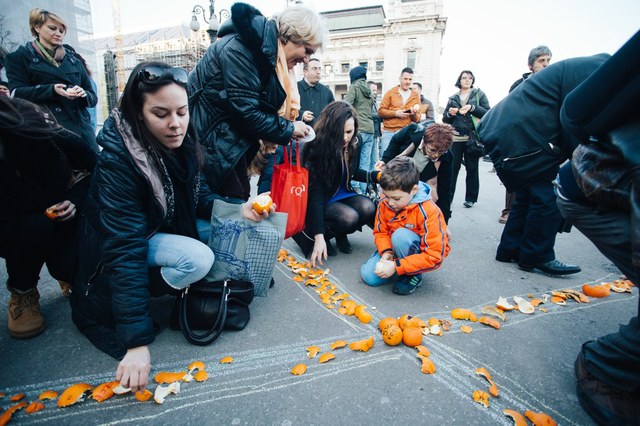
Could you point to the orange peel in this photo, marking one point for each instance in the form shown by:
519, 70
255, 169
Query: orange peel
201, 376
326, 357
463, 314
428, 366
226, 360
73, 394
17, 397
338, 344
422, 351
8, 413
48, 394
312, 351
299, 369
490, 322
165, 377
195, 365
524, 306
104, 391
362, 314
481, 397
539, 419
494, 312
144, 395
34, 407
362, 345
466, 329
504, 304
163, 391
518, 419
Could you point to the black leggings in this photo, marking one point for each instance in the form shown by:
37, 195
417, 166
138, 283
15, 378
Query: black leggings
348, 215
30, 241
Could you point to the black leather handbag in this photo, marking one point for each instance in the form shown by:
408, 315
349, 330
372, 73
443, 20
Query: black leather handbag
212, 307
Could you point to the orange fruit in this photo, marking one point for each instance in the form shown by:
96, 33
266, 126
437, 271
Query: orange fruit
402, 321
262, 203
392, 335
412, 336
51, 213
385, 321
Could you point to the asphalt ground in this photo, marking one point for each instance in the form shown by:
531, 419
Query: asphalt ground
531, 357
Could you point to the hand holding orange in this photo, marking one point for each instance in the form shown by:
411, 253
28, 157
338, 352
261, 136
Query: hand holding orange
262, 203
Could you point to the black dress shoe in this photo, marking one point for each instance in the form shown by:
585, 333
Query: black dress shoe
506, 258
343, 244
468, 204
552, 267
605, 404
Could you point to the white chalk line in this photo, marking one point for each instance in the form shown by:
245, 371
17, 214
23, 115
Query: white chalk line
283, 380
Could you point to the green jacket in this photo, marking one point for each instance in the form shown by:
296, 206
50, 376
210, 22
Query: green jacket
360, 97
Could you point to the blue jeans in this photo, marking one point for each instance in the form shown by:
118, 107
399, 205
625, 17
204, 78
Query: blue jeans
183, 260
404, 243
367, 158
385, 139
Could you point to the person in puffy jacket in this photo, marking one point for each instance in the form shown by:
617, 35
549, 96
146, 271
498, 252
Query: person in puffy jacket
146, 220
244, 90
46, 73
40, 201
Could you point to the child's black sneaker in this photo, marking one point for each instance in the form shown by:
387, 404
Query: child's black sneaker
407, 284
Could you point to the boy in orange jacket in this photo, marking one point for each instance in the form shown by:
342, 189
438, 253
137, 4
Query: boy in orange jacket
410, 232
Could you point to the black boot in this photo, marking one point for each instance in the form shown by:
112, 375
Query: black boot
158, 286
343, 244
304, 242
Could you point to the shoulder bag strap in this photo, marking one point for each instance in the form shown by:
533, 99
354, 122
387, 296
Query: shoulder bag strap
210, 335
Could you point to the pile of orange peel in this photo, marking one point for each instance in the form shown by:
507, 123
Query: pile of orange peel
84, 391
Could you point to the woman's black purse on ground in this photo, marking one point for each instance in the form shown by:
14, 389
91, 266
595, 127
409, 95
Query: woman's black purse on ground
212, 307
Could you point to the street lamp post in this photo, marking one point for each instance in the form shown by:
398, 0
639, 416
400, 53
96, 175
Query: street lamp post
213, 20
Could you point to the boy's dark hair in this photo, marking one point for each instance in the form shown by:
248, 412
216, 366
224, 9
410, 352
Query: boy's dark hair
401, 173
407, 70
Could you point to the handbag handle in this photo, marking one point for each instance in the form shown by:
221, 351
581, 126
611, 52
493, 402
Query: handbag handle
288, 155
213, 333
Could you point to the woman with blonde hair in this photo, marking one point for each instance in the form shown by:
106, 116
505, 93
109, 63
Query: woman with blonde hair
244, 90
44, 72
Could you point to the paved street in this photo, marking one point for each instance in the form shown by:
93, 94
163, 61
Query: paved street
531, 357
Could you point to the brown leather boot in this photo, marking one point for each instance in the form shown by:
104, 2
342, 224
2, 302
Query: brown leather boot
25, 320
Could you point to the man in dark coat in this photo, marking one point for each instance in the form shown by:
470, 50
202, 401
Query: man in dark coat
314, 96
525, 140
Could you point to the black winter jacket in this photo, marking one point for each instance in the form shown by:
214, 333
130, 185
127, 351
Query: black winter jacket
462, 123
235, 94
126, 205
35, 173
32, 78
412, 135
523, 133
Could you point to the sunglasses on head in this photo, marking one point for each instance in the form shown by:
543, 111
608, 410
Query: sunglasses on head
154, 73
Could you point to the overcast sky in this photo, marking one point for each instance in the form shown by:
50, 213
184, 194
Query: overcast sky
490, 37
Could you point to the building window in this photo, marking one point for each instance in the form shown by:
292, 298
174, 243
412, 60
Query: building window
344, 68
411, 59
379, 65
364, 64
328, 68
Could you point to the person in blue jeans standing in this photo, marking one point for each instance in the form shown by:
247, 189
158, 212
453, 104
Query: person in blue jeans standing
361, 99
410, 232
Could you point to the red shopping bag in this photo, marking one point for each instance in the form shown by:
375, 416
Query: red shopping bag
289, 190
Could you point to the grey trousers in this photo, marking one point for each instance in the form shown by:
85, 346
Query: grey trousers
614, 358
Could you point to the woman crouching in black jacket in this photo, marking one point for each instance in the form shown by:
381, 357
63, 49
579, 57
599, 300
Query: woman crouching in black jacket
147, 216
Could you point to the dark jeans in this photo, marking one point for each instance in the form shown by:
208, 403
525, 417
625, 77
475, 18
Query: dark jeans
28, 242
530, 233
472, 180
614, 358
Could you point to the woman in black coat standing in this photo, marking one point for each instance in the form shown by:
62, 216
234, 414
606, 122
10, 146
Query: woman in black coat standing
47, 74
463, 108
41, 197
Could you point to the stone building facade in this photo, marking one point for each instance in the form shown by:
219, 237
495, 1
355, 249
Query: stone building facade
385, 39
